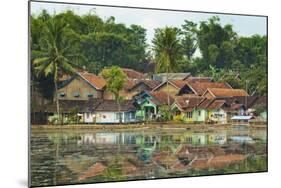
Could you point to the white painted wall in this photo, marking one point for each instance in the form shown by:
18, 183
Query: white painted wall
88, 117
107, 117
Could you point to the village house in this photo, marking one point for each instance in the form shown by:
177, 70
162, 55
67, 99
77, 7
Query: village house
181, 87
184, 109
73, 111
108, 112
82, 86
150, 102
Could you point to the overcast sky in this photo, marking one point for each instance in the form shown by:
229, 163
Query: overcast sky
151, 19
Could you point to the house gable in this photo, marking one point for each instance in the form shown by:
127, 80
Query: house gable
78, 89
187, 90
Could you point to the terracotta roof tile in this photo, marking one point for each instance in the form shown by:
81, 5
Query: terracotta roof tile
129, 84
111, 105
247, 101
151, 83
205, 103
161, 97
201, 87
220, 92
216, 104
132, 74
96, 81
188, 103
178, 83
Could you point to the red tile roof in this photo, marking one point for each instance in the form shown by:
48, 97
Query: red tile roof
150, 83
216, 104
132, 74
161, 97
112, 106
129, 84
96, 81
188, 103
178, 83
221, 92
201, 87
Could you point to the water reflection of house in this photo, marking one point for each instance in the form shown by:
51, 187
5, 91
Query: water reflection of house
108, 138
217, 138
195, 138
100, 138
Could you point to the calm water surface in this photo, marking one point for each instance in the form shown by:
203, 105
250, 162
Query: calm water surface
81, 157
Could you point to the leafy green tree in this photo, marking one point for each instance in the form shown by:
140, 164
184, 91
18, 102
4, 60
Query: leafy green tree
216, 42
55, 55
189, 41
115, 79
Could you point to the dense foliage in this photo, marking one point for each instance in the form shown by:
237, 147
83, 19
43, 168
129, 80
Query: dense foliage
207, 48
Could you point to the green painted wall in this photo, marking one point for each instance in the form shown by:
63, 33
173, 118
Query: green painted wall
141, 112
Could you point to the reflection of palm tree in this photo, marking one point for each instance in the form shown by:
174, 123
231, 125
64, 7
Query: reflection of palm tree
56, 139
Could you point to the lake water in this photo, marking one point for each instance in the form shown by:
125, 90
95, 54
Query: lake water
66, 157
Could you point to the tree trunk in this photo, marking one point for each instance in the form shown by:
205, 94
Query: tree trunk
168, 91
120, 116
57, 102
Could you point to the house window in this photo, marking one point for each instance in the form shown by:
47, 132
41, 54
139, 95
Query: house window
189, 114
76, 94
118, 116
199, 113
189, 140
62, 94
90, 95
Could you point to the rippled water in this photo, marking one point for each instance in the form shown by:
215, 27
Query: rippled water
66, 157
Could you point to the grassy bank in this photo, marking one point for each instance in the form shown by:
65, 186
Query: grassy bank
142, 126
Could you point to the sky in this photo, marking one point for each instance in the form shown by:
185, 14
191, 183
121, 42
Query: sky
151, 19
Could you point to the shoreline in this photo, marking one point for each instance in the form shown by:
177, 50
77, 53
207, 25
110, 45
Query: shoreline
133, 127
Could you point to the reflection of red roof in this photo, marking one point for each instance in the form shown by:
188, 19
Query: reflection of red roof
94, 170
217, 161
96, 81
132, 74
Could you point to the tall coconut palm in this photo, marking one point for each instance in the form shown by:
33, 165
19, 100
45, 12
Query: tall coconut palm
56, 53
167, 48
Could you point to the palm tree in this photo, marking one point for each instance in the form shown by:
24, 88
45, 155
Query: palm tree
55, 54
167, 48
115, 79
